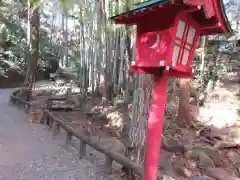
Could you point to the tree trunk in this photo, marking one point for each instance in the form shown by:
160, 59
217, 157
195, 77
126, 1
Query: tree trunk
237, 28
204, 40
65, 34
140, 114
183, 114
32, 60
140, 107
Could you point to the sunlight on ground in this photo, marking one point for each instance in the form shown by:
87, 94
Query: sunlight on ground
221, 112
114, 117
218, 116
51, 86
116, 120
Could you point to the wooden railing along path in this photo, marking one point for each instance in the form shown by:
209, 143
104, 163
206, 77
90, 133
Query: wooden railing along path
56, 123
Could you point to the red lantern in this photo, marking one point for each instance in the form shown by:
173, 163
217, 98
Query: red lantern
172, 48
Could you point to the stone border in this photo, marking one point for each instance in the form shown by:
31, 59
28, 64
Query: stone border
56, 123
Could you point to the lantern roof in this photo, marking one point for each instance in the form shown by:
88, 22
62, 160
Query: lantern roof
210, 15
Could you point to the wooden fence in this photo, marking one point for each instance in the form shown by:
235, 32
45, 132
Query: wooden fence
55, 124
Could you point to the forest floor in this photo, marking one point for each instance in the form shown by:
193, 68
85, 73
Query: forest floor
28, 151
199, 150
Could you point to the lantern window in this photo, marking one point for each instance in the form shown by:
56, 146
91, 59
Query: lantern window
180, 29
191, 35
183, 44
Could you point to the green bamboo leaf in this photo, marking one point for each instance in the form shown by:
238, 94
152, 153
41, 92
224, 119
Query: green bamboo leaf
35, 4
66, 4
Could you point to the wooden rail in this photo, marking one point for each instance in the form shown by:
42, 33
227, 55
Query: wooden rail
17, 100
56, 123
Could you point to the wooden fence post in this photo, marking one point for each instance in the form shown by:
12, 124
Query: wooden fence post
55, 128
68, 138
108, 165
44, 118
50, 121
83, 147
129, 153
26, 108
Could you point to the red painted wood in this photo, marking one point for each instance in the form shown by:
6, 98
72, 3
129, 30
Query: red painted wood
209, 8
208, 15
194, 2
220, 16
172, 73
207, 5
155, 127
180, 74
148, 58
183, 43
191, 22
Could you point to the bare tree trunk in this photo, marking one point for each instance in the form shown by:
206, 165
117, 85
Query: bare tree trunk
140, 113
62, 40
65, 37
204, 40
237, 28
32, 60
183, 113
129, 55
29, 24
140, 106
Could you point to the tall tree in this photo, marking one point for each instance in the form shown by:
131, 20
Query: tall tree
32, 59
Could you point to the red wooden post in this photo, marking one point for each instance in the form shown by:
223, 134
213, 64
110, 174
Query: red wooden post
155, 127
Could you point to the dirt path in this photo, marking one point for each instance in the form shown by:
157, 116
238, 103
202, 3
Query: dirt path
28, 151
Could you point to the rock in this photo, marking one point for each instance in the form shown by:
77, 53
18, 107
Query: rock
205, 178
216, 134
212, 152
163, 163
234, 157
190, 164
173, 146
184, 172
202, 159
178, 148
167, 178
227, 145
235, 134
220, 174
183, 167
165, 166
